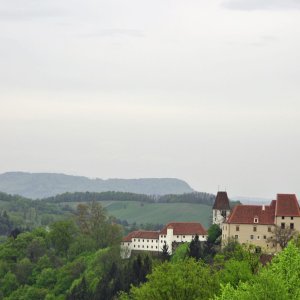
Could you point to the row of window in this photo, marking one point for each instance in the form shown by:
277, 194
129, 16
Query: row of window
138, 246
252, 237
138, 240
283, 225
292, 218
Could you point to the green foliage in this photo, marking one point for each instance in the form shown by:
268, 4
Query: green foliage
214, 232
181, 253
188, 280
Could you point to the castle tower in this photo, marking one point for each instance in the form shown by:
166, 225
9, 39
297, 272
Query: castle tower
221, 208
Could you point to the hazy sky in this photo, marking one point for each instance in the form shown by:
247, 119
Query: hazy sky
205, 91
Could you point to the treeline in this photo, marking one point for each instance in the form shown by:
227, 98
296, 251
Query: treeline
196, 197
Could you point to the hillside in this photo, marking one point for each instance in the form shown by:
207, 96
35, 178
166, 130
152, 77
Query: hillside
41, 185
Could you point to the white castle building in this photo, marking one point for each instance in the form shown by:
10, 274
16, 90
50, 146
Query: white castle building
153, 241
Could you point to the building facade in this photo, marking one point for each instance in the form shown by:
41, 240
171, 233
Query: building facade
255, 224
172, 234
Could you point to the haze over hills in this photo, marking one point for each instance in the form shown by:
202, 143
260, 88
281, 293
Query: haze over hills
40, 185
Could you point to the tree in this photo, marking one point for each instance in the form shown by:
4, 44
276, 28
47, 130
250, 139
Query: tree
214, 232
180, 281
62, 233
281, 236
165, 252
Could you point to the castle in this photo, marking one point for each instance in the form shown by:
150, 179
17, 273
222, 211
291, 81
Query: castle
259, 225
248, 224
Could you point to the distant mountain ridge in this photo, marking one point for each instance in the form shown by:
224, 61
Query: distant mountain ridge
41, 185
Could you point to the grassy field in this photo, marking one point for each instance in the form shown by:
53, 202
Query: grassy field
160, 213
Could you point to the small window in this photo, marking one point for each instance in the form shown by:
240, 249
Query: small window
292, 226
164, 236
134, 246
147, 241
178, 236
282, 225
156, 247
151, 241
258, 237
203, 236
151, 247
292, 218
282, 218
147, 246
237, 228
134, 240
254, 228
143, 240
255, 220
138, 246
139, 239
143, 246
184, 236
269, 229
236, 236
265, 237
251, 236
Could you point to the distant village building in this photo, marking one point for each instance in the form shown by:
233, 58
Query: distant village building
255, 224
221, 208
172, 234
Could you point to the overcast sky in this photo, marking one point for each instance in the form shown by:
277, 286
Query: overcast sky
205, 91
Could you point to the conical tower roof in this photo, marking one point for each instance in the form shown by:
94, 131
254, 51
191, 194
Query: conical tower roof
222, 201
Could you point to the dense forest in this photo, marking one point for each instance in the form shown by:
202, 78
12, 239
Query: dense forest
79, 258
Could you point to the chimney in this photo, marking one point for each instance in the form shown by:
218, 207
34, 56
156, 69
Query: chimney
263, 207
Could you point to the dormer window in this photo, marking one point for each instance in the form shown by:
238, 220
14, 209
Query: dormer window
255, 220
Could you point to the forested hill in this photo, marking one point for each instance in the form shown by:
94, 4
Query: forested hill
41, 185
195, 197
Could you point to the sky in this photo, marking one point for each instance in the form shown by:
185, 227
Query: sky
204, 91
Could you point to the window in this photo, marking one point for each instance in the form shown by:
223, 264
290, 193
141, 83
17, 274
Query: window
139, 239
292, 226
147, 241
258, 237
151, 247
292, 218
254, 228
151, 241
282, 225
203, 236
269, 229
134, 246
164, 236
251, 237
255, 220
265, 237
237, 228
236, 236
147, 246
134, 240
282, 218
143, 246
178, 236
156, 247
138, 246
143, 240
184, 236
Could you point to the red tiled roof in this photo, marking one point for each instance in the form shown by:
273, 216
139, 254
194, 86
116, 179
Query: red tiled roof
141, 234
287, 205
222, 201
245, 214
188, 228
